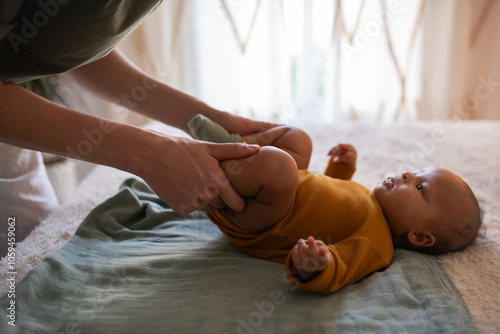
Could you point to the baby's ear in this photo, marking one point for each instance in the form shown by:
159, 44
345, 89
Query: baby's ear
421, 238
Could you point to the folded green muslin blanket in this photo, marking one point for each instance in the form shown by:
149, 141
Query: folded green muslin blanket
134, 266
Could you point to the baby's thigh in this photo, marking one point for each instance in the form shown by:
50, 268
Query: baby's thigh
268, 182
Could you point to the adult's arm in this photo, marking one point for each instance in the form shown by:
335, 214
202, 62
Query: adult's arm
116, 79
32, 122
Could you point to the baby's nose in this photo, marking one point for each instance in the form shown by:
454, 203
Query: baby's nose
406, 176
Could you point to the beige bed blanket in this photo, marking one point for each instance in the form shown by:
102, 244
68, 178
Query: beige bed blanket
471, 149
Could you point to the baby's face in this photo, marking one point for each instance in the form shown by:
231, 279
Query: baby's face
418, 200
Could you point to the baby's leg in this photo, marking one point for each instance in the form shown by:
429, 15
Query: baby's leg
268, 182
290, 139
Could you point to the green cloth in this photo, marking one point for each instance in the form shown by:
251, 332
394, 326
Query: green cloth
134, 266
203, 128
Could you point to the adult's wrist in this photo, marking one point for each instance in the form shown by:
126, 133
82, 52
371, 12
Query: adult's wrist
138, 149
173, 107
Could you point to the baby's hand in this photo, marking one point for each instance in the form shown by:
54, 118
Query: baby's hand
344, 153
310, 258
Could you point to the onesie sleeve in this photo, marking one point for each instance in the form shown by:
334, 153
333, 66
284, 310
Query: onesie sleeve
339, 170
353, 259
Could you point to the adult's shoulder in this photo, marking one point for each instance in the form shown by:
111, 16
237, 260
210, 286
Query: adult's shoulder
55, 36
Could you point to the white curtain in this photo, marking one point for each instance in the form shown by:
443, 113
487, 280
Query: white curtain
323, 61
319, 61
461, 77
230, 54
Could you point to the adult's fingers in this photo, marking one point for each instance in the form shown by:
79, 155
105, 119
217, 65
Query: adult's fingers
242, 125
262, 126
223, 152
209, 198
229, 196
228, 151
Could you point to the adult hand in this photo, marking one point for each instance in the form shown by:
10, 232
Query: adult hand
240, 125
185, 173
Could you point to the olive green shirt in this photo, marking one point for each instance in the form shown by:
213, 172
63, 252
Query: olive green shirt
46, 37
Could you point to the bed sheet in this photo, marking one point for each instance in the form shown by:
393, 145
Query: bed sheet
134, 266
470, 148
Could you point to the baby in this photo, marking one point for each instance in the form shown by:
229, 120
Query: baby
329, 231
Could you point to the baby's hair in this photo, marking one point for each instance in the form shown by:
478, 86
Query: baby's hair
467, 228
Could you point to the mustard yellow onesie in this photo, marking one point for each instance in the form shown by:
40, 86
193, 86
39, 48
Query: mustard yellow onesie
345, 215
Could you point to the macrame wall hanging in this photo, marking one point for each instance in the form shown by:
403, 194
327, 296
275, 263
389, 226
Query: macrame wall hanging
402, 72
242, 42
350, 34
402, 69
243, 31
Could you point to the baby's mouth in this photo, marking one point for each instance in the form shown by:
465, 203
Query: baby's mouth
388, 182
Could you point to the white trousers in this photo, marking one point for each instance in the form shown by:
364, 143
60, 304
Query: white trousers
26, 194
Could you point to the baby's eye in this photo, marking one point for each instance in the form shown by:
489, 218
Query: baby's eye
420, 188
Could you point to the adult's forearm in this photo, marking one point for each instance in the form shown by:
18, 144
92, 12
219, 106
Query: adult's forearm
32, 122
114, 78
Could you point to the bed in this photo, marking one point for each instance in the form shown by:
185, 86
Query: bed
153, 271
